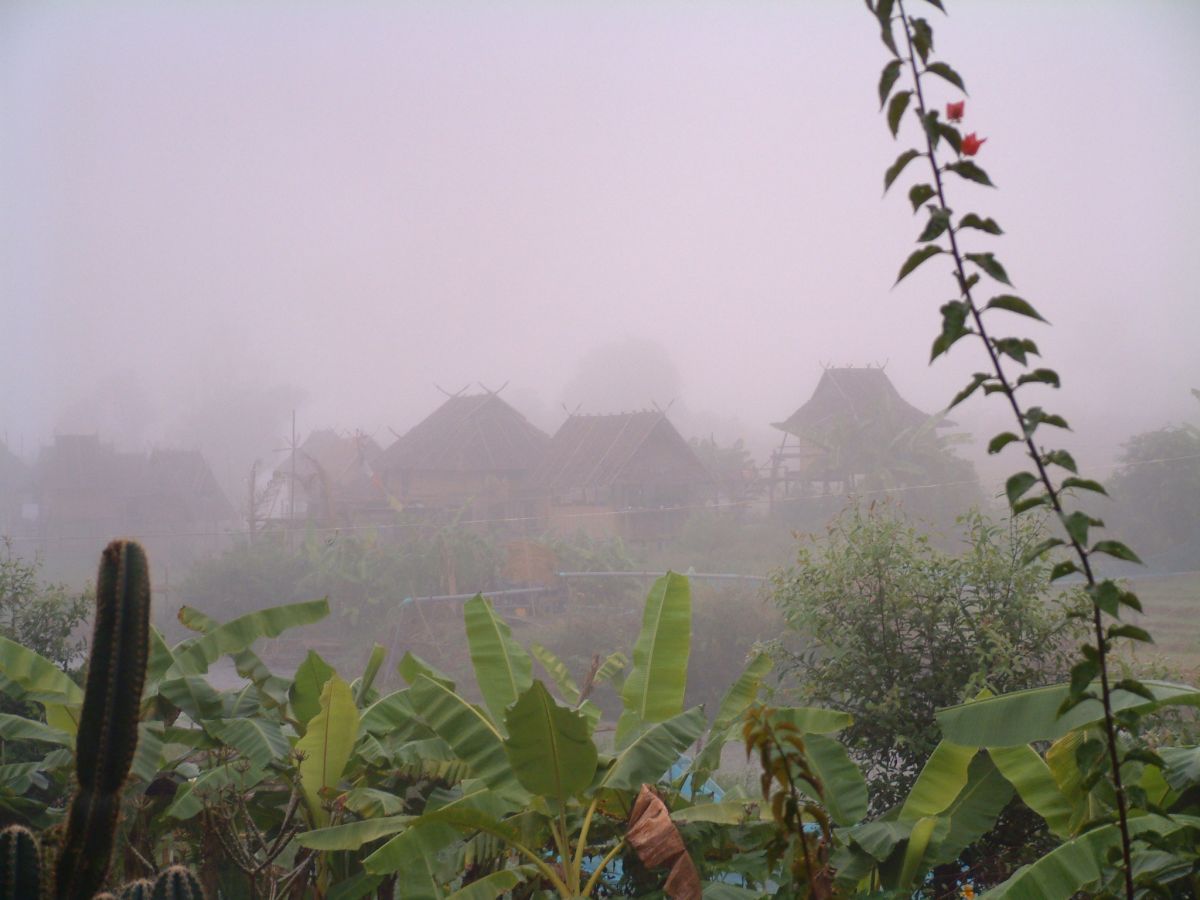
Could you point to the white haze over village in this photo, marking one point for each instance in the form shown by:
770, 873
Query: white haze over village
214, 214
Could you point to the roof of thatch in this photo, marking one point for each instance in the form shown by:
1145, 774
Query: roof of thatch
183, 480
473, 433
598, 451
346, 461
853, 397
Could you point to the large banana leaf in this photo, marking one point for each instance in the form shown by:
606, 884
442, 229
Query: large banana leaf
973, 812
845, 789
353, 835
304, 694
193, 695
740, 695
257, 738
469, 732
195, 656
36, 677
557, 670
1073, 866
1028, 773
503, 669
370, 671
1024, 717
654, 751
18, 728
247, 663
942, 778
327, 745
411, 667
494, 885
549, 746
654, 689
393, 715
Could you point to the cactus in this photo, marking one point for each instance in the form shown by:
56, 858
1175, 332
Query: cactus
20, 864
108, 726
142, 889
177, 883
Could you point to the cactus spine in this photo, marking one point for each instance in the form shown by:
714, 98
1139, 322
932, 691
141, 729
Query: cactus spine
108, 725
20, 864
177, 883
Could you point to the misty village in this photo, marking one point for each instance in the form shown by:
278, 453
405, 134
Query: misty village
701, 451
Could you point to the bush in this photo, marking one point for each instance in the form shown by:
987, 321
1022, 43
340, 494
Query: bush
889, 628
42, 616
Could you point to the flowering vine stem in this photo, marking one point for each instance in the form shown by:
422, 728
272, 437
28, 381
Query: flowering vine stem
964, 316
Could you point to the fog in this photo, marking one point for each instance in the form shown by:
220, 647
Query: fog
213, 214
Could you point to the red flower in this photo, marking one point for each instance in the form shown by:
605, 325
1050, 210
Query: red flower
954, 111
971, 144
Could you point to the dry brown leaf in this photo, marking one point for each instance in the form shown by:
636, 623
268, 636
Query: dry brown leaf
657, 842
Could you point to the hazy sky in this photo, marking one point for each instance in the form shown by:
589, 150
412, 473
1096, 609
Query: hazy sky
219, 208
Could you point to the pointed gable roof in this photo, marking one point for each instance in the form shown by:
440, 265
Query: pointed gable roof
469, 433
591, 451
852, 397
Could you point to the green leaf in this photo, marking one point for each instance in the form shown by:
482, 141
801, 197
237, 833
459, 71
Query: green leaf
1115, 549
845, 789
1084, 484
1040, 376
654, 751
1017, 485
919, 840
18, 728
1080, 862
557, 670
1063, 569
942, 778
503, 669
990, 265
411, 667
939, 221
736, 701
1041, 547
374, 663
353, 835
655, 687
922, 38
970, 220
887, 79
258, 739
1000, 441
37, 677
495, 884
814, 719
966, 169
327, 745
1060, 458
942, 70
1014, 305
304, 693
550, 747
194, 657
919, 193
1077, 524
977, 381
1023, 717
897, 167
973, 812
1133, 632
916, 258
896, 108
1034, 782
469, 732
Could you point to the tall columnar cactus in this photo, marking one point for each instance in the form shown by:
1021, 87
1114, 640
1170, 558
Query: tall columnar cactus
108, 725
20, 864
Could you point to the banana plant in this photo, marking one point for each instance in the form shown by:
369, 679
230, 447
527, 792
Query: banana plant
542, 797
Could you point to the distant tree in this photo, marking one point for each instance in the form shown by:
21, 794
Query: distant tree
1157, 490
42, 616
732, 469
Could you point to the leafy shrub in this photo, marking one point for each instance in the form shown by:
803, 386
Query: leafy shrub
889, 628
